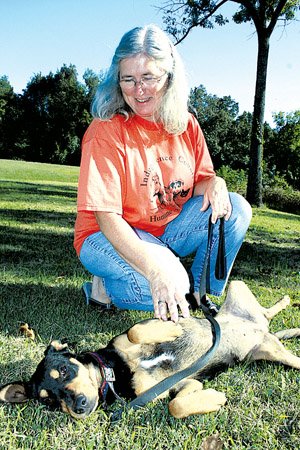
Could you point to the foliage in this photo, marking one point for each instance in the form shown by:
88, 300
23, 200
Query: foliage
6, 93
10, 112
236, 180
282, 199
181, 16
40, 281
91, 81
47, 122
282, 151
53, 107
226, 133
278, 194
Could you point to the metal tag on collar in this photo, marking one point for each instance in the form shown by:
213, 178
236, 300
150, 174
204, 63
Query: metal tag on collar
109, 374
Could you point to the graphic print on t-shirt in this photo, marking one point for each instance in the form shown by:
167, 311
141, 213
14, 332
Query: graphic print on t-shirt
166, 196
168, 183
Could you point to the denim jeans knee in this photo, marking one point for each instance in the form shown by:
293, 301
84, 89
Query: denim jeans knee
127, 288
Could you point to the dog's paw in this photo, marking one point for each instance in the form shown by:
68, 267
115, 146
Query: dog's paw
199, 402
213, 400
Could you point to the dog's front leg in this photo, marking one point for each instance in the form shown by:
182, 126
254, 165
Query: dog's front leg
154, 331
193, 399
271, 349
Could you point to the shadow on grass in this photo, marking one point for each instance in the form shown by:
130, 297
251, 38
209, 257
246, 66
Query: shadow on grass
41, 251
271, 214
59, 312
11, 188
263, 258
32, 216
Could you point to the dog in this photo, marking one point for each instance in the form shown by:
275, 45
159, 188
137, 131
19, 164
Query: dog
152, 350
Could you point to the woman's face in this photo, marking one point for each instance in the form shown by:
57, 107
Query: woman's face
143, 84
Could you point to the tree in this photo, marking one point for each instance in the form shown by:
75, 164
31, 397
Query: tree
183, 15
11, 140
6, 96
282, 151
92, 81
55, 117
226, 133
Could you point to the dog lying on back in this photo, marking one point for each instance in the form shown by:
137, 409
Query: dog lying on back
151, 351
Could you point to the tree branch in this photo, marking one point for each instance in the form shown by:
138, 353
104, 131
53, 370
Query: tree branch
200, 22
248, 5
275, 16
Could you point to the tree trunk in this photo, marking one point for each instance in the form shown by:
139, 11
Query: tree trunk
254, 186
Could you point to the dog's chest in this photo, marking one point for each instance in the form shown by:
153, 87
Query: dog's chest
151, 363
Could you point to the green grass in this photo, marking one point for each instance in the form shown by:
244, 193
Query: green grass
40, 280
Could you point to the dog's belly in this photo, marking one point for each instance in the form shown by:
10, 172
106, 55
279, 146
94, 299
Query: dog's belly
239, 337
237, 340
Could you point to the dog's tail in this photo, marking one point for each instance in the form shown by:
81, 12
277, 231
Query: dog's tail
288, 334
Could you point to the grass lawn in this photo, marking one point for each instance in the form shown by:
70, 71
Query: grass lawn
40, 280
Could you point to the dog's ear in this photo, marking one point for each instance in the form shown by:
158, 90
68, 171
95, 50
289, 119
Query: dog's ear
56, 346
16, 392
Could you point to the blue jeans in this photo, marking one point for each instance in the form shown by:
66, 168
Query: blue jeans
185, 235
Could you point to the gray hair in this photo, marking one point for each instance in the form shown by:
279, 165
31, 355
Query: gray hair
154, 43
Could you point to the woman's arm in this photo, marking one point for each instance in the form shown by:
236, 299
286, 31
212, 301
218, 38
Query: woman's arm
215, 193
154, 262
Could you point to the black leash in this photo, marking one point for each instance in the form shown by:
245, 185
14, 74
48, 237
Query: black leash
167, 383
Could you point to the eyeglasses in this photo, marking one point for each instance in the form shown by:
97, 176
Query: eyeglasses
146, 81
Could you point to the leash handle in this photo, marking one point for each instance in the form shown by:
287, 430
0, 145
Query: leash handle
220, 268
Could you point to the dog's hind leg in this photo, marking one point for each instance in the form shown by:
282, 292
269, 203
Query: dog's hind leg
269, 313
271, 349
192, 399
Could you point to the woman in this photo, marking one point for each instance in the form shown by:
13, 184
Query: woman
146, 176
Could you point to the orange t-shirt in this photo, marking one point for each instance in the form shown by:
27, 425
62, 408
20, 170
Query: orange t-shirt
136, 169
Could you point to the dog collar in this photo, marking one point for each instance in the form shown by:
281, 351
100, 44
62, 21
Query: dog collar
108, 378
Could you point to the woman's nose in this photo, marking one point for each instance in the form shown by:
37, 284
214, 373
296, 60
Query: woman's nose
139, 87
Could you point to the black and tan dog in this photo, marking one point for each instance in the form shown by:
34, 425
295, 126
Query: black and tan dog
152, 350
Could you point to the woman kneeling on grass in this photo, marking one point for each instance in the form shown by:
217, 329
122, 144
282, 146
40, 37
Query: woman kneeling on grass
146, 176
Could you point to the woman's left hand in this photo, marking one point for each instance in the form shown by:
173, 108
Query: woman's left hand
216, 195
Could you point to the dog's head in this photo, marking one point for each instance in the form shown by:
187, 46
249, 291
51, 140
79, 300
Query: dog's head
62, 380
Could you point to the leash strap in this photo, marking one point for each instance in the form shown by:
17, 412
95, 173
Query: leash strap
170, 381
220, 268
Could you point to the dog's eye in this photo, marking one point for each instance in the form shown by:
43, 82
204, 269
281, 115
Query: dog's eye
63, 371
47, 401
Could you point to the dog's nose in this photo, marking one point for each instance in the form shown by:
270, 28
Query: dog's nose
80, 404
